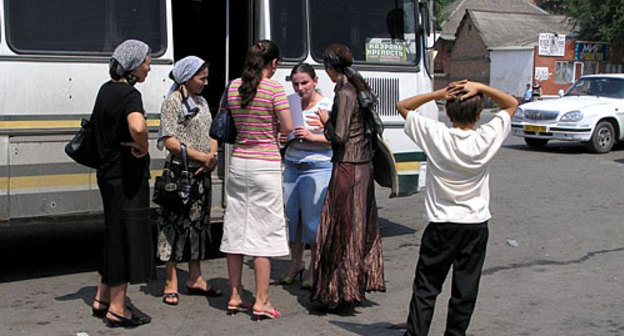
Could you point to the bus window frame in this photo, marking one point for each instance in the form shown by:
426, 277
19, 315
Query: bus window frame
306, 34
380, 65
162, 48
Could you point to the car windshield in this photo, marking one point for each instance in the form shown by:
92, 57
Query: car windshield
598, 86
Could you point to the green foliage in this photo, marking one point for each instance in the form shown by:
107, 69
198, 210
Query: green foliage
553, 6
440, 16
598, 20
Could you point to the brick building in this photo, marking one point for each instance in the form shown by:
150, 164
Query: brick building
500, 49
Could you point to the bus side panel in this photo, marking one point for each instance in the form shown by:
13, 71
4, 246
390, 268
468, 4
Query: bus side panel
4, 178
44, 181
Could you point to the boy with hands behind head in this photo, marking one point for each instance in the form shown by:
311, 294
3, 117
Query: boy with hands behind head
457, 198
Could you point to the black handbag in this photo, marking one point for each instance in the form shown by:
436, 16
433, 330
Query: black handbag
222, 127
172, 189
82, 148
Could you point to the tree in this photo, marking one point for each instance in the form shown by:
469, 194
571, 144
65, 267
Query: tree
598, 20
553, 6
440, 17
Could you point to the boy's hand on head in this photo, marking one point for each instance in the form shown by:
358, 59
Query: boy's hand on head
469, 89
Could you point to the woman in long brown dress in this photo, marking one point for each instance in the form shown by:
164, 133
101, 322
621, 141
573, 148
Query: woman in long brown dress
348, 245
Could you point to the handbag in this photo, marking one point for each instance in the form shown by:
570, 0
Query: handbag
82, 148
222, 127
172, 189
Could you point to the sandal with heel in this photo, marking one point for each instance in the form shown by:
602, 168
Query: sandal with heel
124, 322
210, 292
171, 298
260, 315
241, 307
287, 280
102, 311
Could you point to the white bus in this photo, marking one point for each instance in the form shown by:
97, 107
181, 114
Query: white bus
54, 56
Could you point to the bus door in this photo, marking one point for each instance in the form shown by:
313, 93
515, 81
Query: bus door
219, 33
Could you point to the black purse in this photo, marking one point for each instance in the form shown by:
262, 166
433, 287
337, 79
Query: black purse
172, 189
82, 148
222, 127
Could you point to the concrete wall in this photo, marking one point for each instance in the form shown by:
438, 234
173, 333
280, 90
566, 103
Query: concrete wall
511, 70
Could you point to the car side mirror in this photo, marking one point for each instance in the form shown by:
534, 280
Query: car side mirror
560, 93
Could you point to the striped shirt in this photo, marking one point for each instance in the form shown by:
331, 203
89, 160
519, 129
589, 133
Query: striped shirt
257, 124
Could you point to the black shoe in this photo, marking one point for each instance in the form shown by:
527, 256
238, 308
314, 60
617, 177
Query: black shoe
123, 322
102, 311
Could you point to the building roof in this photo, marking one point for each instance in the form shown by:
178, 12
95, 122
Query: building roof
504, 30
457, 9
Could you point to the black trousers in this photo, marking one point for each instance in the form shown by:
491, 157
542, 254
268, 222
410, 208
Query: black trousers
444, 244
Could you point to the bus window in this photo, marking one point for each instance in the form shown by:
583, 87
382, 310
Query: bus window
83, 27
288, 28
375, 31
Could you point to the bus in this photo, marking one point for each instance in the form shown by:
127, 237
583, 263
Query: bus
54, 57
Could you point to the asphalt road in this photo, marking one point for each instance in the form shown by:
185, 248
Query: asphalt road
562, 206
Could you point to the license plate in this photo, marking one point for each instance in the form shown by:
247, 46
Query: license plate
535, 128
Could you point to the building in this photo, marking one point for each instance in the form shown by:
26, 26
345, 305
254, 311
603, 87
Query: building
455, 12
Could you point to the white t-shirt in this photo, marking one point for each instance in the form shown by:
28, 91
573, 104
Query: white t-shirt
310, 152
457, 184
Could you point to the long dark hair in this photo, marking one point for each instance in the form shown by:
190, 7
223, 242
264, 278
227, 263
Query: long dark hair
258, 56
339, 58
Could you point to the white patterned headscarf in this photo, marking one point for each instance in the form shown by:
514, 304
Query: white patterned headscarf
130, 54
184, 70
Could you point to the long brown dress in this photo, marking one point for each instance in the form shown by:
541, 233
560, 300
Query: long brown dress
349, 258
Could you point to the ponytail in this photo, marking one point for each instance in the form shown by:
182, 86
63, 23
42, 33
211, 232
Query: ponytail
258, 56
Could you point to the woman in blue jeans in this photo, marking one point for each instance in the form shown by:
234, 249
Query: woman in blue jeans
307, 172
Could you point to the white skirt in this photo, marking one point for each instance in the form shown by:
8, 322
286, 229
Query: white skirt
254, 223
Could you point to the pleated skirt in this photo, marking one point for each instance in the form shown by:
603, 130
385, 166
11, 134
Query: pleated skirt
348, 246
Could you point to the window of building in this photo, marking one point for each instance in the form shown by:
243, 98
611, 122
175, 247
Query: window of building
376, 31
83, 27
288, 28
564, 72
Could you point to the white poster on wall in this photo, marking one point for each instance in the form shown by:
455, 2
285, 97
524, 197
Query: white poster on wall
551, 44
541, 73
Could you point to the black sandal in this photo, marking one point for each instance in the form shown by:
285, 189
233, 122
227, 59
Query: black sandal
124, 322
169, 297
102, 311
210, 292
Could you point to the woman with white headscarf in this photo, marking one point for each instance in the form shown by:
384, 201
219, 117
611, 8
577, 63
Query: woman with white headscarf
122, 176
185, 233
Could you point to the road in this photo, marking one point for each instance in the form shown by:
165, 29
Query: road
562, 206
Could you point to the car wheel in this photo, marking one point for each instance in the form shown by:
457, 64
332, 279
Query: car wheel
603, 138
536, 143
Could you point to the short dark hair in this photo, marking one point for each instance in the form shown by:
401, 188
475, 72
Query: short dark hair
464, 112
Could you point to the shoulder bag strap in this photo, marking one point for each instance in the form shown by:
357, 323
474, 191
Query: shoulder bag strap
184, 156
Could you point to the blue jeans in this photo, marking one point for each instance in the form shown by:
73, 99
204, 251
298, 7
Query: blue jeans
305, 186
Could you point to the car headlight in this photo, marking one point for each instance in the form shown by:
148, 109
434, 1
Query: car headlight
519, 114
572, 116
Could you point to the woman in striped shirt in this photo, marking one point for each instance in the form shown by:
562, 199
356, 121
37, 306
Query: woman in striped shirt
254, 223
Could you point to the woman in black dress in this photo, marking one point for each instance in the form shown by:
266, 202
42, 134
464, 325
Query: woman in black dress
349, 259
122, 176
